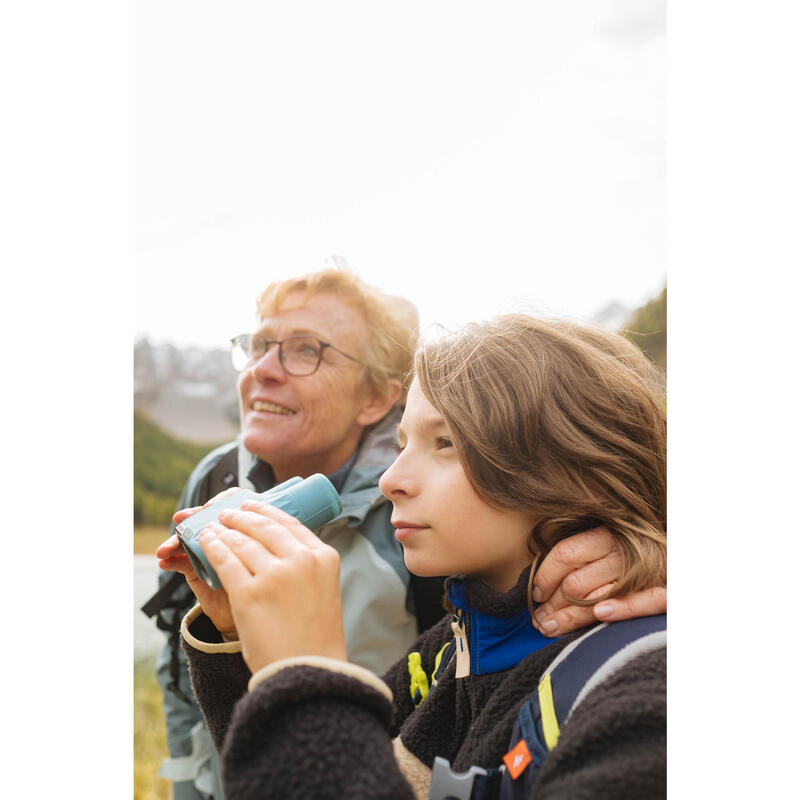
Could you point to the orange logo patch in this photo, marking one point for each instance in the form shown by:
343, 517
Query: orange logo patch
517, 759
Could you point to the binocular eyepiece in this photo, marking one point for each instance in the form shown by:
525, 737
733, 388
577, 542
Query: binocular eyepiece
313, 501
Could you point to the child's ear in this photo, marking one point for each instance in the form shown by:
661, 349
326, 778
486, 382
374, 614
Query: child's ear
379, 402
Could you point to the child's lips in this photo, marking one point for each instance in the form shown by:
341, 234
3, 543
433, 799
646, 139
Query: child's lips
405, 530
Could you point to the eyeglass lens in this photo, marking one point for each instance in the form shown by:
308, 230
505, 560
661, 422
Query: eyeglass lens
300, 355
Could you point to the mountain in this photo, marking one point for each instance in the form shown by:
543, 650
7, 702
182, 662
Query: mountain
613, 316
188, 392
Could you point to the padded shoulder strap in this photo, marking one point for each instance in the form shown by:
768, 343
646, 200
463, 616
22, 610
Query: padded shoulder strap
215, 473
591, 659
579, 667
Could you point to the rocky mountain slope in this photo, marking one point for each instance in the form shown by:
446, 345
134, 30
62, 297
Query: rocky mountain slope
188, 392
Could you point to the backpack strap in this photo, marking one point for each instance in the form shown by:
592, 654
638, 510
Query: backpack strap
203, 484
216, 472
580, 667
160, 599
588, 661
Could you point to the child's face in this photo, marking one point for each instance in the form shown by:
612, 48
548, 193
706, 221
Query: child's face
444, 527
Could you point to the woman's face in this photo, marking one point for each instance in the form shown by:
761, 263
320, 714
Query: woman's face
302, 425
444, 527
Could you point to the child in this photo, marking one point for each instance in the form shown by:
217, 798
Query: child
516, 434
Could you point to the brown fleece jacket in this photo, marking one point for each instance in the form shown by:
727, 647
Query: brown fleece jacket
325, 730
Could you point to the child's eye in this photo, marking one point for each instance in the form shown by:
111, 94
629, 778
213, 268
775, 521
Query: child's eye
442, 442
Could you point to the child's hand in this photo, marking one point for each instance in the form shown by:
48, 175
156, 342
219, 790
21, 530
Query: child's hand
282, 582
585, 566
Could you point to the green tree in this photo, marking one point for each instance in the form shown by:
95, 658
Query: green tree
648, 329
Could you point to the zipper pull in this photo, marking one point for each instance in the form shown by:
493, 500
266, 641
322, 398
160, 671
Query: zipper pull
462, 646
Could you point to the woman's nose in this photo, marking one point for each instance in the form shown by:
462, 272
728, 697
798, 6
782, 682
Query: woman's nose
269, 366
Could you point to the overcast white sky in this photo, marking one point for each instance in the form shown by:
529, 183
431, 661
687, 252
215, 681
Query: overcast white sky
472, 157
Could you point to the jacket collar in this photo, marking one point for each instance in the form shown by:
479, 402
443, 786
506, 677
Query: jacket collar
360, 493
497, 625
262, 477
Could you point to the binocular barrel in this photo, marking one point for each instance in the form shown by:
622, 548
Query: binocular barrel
313, 501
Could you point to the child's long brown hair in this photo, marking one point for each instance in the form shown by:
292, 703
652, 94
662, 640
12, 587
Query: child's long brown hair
564, 420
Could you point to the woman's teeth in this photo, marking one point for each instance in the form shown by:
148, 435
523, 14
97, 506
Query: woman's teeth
260, 405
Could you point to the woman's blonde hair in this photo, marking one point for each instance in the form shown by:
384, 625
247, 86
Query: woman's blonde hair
562, 420
392, 322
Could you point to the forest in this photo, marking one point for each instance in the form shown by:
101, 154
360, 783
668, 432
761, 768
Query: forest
161, 465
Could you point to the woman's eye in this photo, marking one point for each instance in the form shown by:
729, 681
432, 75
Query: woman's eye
443, 442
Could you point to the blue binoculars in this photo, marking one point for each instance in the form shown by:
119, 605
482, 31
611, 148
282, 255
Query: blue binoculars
313, 501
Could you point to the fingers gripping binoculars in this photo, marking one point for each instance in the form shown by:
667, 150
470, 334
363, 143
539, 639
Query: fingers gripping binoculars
313, 501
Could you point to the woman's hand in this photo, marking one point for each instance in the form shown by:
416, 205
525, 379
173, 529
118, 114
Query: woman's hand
172, 558
585, 566
282, 583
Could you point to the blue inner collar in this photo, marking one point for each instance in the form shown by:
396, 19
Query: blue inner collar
496, 643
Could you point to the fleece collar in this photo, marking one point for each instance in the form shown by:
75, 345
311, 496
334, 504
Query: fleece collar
498, 625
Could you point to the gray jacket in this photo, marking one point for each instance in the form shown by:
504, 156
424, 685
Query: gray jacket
381, 617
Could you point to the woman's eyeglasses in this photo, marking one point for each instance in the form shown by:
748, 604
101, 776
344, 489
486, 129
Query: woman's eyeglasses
299, 355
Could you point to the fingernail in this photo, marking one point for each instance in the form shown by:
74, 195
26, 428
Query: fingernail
538, 594
540, 615
602, 611
549, 626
